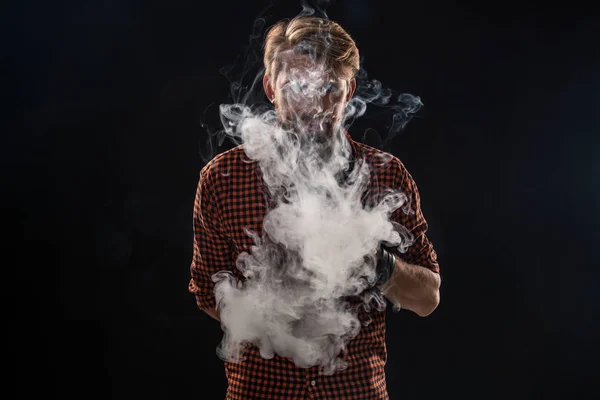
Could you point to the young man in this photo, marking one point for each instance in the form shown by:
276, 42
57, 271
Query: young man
310, 68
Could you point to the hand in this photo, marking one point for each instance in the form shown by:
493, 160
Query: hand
383, 262
385, 265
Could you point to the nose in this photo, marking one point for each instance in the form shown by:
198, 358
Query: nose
308, 104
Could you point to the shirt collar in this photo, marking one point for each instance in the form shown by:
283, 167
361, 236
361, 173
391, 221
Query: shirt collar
356, 153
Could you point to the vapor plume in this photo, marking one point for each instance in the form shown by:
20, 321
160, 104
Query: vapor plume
319, 243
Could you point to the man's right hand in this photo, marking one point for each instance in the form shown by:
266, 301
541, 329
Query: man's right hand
213, 313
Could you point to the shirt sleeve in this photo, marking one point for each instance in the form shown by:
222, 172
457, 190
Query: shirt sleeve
212, 250
410, 216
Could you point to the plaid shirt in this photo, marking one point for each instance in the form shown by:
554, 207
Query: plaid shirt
230, 196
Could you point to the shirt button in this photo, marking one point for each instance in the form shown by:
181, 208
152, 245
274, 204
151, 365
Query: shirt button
313, 383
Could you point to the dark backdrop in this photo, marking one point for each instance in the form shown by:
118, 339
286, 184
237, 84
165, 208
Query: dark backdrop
109, 107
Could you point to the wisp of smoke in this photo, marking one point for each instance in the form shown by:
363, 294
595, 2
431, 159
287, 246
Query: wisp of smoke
319, 241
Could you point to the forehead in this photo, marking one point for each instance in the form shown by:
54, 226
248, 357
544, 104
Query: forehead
302, 66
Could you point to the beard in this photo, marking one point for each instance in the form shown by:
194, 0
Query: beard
308, 124
315, 136
318, 130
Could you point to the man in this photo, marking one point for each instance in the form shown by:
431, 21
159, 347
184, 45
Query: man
228, 203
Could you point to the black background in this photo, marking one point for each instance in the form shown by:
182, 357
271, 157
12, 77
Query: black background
102, 150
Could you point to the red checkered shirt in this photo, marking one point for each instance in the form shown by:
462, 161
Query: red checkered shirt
231, 195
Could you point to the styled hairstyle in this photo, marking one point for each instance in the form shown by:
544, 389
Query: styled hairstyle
322, 38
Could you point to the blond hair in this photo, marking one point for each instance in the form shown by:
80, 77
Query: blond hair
318, 36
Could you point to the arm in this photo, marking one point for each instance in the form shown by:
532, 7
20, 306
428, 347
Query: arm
415, 281
413, 287
211, 252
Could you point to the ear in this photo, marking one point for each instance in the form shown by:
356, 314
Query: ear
269, 91
351, 89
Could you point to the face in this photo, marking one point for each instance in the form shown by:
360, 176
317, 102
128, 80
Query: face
308, 97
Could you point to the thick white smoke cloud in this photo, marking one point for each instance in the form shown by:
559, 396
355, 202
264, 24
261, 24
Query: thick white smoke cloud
319, 241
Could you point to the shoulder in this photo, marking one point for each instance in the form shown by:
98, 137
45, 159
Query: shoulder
383, 164
221, 165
